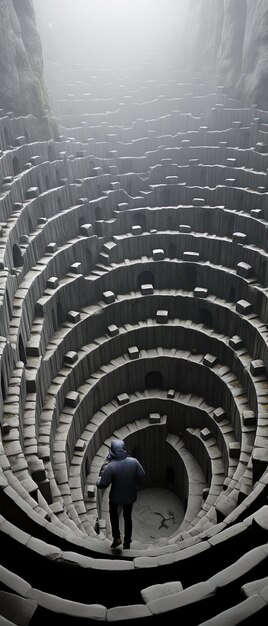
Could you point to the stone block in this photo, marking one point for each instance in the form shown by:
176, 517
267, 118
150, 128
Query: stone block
198, 202
24, 239
230, 162
243, 307
171, 393
200, 292
113, 330
260, 146
258, 213
188, 255
86, 230
136, 229
108, 297
147, 289
73, 317
185, 228
154, 418
238, 237
205, 434
72, 398
91, 490
162, 316
31, 193
236, 342
219, 414
80, 445
76, 268
257, 367
51, 247
160, 590
234, 449
158, 254
244, 269
133, 352
122, 398
52, 282
249, 418
36, 159
210, 360
70, 357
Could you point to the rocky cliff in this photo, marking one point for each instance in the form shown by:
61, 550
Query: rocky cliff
230, 39
22, 88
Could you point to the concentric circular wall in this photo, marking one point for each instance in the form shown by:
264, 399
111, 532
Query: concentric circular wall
134, 274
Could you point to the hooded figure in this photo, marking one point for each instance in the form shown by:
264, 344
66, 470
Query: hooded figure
124, 473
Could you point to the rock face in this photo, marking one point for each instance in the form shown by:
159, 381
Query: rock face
21, 63
230, 39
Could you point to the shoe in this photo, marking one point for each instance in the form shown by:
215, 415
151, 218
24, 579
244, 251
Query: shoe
116, 542
126, 545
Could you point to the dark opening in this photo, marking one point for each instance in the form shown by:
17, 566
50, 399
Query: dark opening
58, 177
59, 203
170, 476
27, 136
9, 306
207, 221
203, 177
51, 153
263, 273
88, 259
60, 314
17, 258
39, 184
47, 183
170, 223
232, 296
189, 278
139, 219
6, 136
153, 380
145, 278
206, 318
16, 166
99, 213
166, 197
136, 453
3, 387
82, 220
54, 320
22, 352
172, 251
98, 191
30, 225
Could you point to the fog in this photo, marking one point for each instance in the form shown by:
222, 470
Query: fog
99, 30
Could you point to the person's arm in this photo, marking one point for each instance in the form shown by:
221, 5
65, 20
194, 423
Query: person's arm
105, 478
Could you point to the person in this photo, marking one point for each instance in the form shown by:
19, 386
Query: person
124, 473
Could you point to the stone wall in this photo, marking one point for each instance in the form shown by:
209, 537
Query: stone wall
21, 67
229, 38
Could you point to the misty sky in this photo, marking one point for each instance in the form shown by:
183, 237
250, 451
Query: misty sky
70, 29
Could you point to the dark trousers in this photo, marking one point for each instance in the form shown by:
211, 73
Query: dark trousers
114, 518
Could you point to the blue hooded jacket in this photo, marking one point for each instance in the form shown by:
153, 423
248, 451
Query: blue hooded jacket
123, 472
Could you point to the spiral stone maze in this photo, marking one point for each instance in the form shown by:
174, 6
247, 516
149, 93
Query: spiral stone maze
134, 276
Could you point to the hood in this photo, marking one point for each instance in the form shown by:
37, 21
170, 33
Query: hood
117, 450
